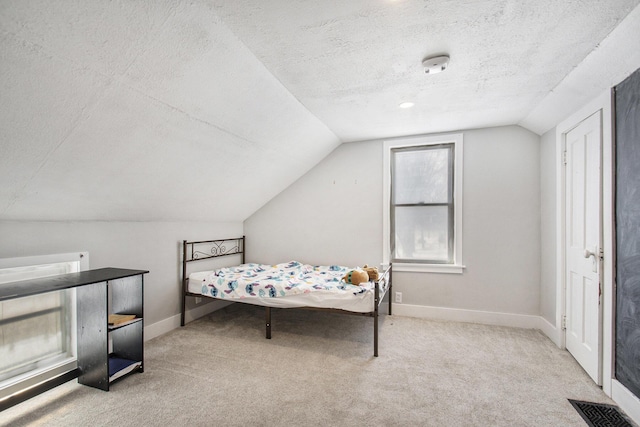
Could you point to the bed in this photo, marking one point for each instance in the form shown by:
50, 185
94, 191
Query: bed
291, 284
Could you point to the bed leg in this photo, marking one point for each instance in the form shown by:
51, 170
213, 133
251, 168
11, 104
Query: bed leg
375, 320
268, 321
184, 307
389, 291
184, 281
375, 335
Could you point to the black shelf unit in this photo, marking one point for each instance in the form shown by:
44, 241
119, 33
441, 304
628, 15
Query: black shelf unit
97, 340
99, 293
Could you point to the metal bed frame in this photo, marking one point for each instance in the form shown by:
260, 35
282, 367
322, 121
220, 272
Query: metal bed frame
206, 249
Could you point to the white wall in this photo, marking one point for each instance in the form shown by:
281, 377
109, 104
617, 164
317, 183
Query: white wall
548, 241
333, 214
153, 246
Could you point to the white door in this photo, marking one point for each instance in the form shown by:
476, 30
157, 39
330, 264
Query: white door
583, 244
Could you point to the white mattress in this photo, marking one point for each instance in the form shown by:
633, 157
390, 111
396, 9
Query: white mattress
360, 303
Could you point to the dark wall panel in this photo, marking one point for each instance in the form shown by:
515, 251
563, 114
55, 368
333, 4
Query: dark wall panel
627, 359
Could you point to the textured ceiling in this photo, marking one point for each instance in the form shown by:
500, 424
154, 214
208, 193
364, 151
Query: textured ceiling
352, 62
141, 111
205, 110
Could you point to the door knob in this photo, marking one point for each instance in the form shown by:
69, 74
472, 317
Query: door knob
594, 261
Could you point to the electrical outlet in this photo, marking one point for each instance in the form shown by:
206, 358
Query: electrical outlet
198, 300
399, 297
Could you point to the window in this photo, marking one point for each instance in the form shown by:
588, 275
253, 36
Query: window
423, 204
38, 332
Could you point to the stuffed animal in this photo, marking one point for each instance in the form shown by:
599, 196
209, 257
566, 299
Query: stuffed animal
371, 271
356, 277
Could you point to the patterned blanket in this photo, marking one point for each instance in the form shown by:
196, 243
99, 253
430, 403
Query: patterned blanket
277, 281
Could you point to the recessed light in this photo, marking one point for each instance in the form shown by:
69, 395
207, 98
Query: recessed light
406, 105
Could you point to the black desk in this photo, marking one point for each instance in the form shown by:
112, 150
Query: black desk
99, 293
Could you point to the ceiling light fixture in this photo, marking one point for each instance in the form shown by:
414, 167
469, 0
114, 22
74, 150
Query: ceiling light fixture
435, 64
406, 105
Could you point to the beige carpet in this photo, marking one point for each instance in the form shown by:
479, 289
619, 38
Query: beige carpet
319, 370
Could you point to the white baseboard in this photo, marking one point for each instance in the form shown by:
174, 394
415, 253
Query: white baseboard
626, 400
420, 311
552, 332
469, 316
161, 327
173, 322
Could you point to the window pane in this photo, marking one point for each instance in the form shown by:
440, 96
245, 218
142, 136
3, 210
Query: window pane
35, 330
422, 233
421, 176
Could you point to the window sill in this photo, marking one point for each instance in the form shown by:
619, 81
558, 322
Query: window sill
429, 268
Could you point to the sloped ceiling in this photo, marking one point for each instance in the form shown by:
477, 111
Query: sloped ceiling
205, 110
142, 111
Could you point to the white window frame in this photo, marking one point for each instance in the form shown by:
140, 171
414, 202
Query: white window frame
456, 139
28, 379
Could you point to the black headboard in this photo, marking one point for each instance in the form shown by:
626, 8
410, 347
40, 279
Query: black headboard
627, 335
206, 249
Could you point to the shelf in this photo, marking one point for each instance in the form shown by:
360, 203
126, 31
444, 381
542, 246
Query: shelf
98, 293
26, 288
109, 352
123, 324
119, 367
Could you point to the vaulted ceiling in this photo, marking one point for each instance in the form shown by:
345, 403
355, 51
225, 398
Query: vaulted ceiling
205, 110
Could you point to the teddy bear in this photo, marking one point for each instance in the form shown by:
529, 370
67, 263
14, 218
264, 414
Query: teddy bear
371, 271
356, 277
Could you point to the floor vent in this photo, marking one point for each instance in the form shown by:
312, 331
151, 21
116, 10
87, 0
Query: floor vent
601, 415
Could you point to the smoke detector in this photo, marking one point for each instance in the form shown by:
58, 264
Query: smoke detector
435, 64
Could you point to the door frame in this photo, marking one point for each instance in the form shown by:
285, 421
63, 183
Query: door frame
603, 103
